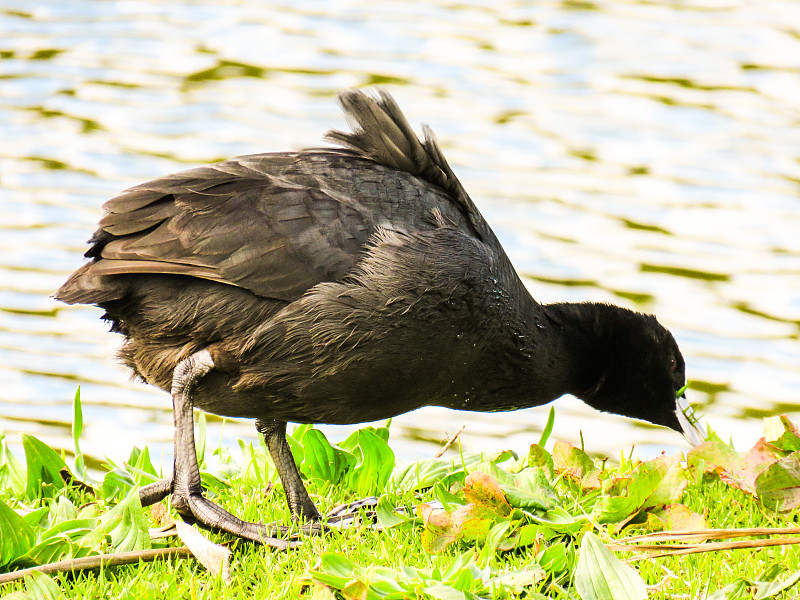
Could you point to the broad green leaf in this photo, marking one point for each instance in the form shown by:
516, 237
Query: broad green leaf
39, 517
126, 525
374, 461
496, 539
16, 536
782, 433
517, 581
602, 576
778, 486
322, 460
44, 468
425, 473
68, 539
42, 587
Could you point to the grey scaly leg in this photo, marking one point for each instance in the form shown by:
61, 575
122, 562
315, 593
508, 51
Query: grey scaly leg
187, 492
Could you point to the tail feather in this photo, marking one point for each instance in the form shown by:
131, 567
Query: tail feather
382, 133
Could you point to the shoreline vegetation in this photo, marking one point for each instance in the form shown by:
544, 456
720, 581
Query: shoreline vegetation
535, 523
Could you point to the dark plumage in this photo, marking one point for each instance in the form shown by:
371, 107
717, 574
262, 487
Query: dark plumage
344, 285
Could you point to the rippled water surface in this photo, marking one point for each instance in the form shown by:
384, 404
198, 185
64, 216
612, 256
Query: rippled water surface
642, 153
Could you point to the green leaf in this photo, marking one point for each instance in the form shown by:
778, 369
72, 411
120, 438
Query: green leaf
141, 467
126, 525
116, 484
517, 581
767, 589
560, 521
602, 576
539, 457
639, 486
77, 428
12, 472
530, 489
16, 536
576, 465
425, 473
322, 460
732, 591
553, 559
440, 591
388, 517
44, 468
548, 428
674, 480
42, 587
778, 486
335, 570
68, 539
374, 461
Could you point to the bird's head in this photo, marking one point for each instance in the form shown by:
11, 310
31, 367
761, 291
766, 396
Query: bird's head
641, 372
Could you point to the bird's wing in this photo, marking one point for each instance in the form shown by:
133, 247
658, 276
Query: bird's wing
229, 222
278, 224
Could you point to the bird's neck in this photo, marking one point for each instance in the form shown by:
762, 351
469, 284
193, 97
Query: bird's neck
579, 329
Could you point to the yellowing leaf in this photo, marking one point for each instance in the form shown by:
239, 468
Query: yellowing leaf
675, 517
480, 488
778, 485
575, 464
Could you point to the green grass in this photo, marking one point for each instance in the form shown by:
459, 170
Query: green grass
413, 555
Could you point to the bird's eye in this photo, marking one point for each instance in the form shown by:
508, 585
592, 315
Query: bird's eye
673, 364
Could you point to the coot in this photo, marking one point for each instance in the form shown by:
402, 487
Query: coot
344, 285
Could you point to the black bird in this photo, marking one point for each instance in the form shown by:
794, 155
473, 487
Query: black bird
344, 285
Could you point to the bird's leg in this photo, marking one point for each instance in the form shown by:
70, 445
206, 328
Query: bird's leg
300, 504
187, 492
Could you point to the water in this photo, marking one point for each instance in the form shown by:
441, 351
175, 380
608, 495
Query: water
646, 154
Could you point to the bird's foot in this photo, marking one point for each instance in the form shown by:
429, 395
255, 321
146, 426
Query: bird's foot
195, 508
351, 514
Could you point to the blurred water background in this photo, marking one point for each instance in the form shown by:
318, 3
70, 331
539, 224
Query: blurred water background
645, 153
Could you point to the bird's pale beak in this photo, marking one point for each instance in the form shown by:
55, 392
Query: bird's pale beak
693, 431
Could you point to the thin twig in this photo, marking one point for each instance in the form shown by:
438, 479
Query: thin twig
97, 561
449, 442
697, 548
710, 534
